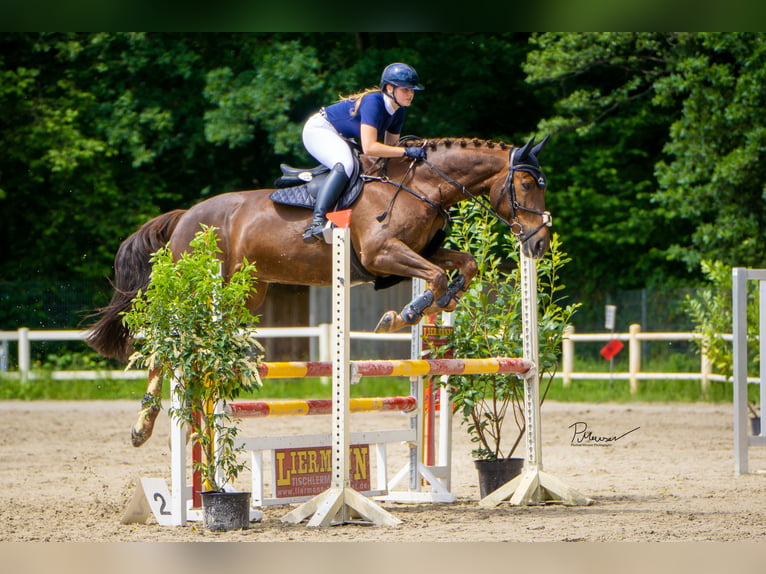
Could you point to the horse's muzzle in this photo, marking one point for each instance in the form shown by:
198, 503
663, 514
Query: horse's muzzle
537, 246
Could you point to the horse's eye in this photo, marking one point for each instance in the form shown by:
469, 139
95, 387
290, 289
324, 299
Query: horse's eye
528, 185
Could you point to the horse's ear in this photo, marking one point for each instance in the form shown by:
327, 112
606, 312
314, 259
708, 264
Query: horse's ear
539, 147
525, 150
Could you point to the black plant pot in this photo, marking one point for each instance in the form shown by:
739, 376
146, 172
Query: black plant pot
223, 511
495, 473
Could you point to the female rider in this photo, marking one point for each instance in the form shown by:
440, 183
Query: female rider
374, 118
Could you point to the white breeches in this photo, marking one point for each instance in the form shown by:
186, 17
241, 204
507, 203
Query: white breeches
324, 143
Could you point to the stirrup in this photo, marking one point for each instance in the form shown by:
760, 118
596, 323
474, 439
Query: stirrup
313, 232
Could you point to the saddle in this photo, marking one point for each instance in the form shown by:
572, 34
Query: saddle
299, 187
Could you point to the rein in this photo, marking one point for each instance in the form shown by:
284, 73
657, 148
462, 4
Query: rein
400, 186
515, 227
481, 202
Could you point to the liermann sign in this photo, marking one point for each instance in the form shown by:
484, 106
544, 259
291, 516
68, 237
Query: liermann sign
306, 471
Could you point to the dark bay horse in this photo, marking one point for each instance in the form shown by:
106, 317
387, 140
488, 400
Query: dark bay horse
403, 206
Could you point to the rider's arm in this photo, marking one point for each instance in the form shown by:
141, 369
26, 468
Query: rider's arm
371, 145
391, 139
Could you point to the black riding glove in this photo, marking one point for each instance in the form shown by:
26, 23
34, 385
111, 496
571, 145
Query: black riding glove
415, 152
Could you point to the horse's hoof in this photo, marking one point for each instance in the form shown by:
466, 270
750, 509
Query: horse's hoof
142, 430
410, 316
138, 437
386, 322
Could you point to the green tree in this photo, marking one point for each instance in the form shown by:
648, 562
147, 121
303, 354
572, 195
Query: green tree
658, 158
90, 127
711, 310
716, 167
488, 323
609, 134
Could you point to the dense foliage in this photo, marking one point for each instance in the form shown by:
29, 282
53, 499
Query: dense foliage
669, 129
656, 161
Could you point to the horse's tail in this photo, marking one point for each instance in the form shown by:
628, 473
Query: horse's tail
109, 336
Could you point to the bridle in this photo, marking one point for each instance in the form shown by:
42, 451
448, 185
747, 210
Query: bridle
514, 225
516, 228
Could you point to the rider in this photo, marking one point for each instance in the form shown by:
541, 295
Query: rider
374, 118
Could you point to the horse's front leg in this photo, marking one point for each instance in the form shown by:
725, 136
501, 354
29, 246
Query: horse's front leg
466, 267
150, 408
398, 259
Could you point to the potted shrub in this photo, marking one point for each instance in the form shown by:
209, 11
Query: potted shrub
488, 323
189, 324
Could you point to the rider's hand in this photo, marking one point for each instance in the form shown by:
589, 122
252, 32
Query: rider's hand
415, 152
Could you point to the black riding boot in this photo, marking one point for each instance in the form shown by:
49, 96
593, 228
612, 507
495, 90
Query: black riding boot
326, 198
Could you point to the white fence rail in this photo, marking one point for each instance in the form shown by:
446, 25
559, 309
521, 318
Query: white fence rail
24, 337
634, 374
634, 338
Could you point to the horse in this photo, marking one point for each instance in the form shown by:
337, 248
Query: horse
396, 226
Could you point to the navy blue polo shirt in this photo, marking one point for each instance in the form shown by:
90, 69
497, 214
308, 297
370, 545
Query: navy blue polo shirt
372, 112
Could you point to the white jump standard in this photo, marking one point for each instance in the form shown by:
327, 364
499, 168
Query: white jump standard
340, 503
742, 439
533, 485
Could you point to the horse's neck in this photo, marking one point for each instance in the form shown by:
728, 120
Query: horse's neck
458, 170
454, 170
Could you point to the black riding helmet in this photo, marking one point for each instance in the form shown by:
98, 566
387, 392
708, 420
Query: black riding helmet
400, 75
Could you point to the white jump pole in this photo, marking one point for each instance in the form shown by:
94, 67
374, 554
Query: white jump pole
340, 504
533, 485
178, 497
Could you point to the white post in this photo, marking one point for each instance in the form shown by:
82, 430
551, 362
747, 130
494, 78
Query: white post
438, 476
739, 333
3, 356
530, 340
742, 437
341, 366
416, 390
567, 355
178, 460
24, 353
445, 423
340, 503
634, 357
762, 349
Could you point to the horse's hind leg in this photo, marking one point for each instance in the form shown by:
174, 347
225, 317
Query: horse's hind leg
150, 404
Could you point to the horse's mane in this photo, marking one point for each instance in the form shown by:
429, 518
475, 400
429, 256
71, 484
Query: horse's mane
447, 143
